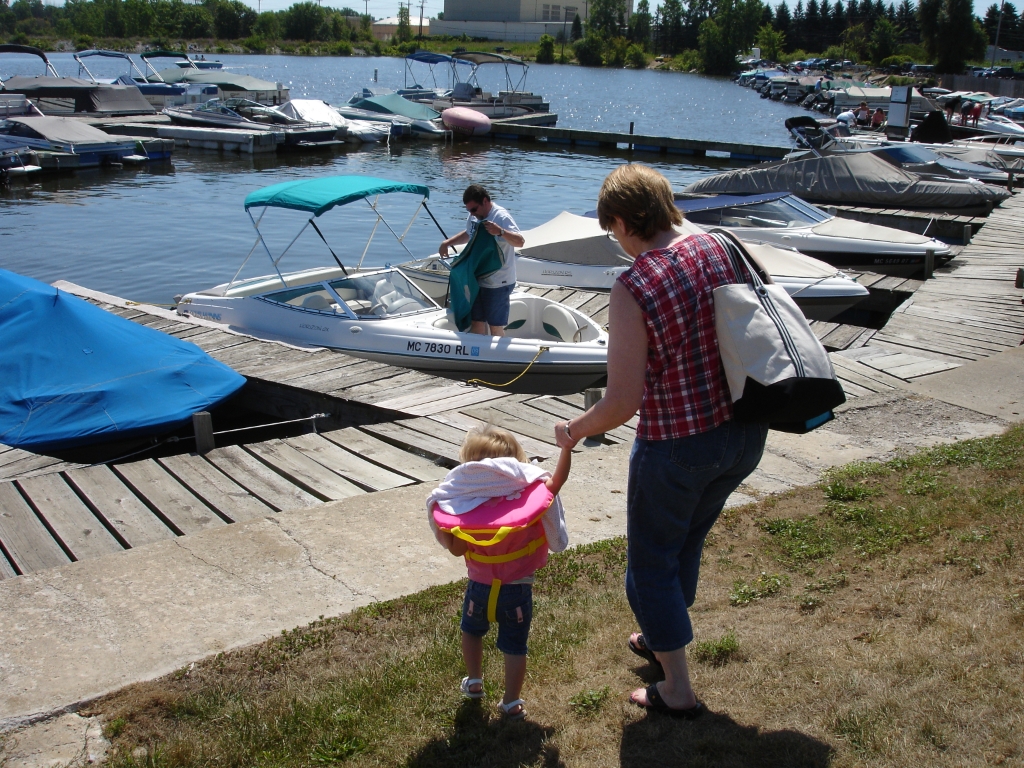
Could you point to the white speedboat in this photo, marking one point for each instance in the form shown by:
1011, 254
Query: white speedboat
784, 220
381, 315
574, 252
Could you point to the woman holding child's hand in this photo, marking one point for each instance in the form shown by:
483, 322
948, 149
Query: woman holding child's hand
689, 454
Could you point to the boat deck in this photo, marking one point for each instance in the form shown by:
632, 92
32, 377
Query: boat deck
52, 512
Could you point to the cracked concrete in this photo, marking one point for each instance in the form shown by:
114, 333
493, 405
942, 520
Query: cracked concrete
63, 742
75, 632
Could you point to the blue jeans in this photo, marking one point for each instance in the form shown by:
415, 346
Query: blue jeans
677, 488
512, 615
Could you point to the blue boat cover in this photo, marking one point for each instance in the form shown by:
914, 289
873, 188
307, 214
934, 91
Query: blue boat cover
317, 196
75, 374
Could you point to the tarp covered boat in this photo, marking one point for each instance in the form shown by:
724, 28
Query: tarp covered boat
853, 179
75, 374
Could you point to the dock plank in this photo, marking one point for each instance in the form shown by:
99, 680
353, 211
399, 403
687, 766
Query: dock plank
134, 522
385, 455
261, 481
304, 471
68, 517
216, 489
405, 437
348, 465
161, 492
25, 539
535, 449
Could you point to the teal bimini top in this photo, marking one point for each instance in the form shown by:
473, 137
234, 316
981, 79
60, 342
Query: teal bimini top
317, 196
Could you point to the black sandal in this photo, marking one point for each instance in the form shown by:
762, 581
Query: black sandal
641, 650
657, 704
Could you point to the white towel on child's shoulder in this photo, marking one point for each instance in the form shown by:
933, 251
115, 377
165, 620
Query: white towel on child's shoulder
471, 484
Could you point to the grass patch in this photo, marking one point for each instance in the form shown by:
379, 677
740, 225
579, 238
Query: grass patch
871, 602
590, 702
715, 653
765, 585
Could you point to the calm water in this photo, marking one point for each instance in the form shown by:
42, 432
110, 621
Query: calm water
150, 233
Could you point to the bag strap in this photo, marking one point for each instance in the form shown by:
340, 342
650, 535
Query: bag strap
736, 251
744, 270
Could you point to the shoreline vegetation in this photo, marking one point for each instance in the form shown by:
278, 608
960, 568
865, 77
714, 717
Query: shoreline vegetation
874, 619
674, 36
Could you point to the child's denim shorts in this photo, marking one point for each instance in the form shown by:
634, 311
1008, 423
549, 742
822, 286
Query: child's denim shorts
513, 614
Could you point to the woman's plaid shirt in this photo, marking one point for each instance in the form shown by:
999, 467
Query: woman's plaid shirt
685, 391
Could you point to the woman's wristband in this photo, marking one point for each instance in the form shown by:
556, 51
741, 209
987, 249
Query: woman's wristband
567, 432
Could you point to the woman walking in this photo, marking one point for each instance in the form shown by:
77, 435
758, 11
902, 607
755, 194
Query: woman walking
689, 454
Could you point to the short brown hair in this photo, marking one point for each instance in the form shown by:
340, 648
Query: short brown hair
490, 442
475, 193
641, 197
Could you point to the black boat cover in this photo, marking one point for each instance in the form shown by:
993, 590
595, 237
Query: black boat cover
88, 97
856, 178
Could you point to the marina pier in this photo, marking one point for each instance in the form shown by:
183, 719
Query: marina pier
390, 427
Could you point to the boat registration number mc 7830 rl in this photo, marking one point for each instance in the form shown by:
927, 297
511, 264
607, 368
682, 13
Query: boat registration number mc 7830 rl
442, 349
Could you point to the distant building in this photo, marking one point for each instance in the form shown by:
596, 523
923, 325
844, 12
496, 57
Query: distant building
513, 20
1003, 56
385, 29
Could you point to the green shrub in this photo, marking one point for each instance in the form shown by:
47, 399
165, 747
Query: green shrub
342, 48
589, 50
546, 50
636, 58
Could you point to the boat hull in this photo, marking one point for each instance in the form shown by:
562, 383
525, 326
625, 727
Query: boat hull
417, 343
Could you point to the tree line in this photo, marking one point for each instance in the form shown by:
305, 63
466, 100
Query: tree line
174, 19
701, 34
710, 33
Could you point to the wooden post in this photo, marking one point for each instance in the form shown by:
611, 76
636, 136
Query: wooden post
929, 264
631, 133
1009, 180
590, 399
968, 233
202, 424
1019, 280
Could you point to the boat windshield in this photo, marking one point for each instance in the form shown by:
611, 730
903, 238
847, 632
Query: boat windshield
786, 212
910, 154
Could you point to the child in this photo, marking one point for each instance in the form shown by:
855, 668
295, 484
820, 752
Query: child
495, 471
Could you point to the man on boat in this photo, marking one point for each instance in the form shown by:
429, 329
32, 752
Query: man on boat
490, 310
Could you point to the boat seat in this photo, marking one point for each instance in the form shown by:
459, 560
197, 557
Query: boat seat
316, 301
518, 314
446, 323
560, 323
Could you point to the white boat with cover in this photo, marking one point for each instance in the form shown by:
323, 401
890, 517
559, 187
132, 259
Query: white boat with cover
574, 252
381, 315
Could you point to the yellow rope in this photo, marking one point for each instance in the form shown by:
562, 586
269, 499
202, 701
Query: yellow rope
540, 351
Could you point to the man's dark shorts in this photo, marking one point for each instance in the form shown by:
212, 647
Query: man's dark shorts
491, 305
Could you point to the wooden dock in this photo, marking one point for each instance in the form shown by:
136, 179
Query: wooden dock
407, 426
514, 131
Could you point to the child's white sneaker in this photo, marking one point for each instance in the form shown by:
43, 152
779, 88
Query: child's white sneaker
467, 686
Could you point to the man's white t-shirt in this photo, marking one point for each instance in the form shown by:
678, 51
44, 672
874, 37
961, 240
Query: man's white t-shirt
507, 274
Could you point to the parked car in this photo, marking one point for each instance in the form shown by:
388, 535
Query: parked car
922, 69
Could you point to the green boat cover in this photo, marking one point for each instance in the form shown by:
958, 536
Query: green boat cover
226, 81
393, 104
481, 257
318, 196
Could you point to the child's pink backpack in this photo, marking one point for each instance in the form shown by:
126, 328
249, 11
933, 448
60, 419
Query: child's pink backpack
506, 540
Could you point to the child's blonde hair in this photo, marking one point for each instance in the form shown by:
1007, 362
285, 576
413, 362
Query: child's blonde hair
490, 442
